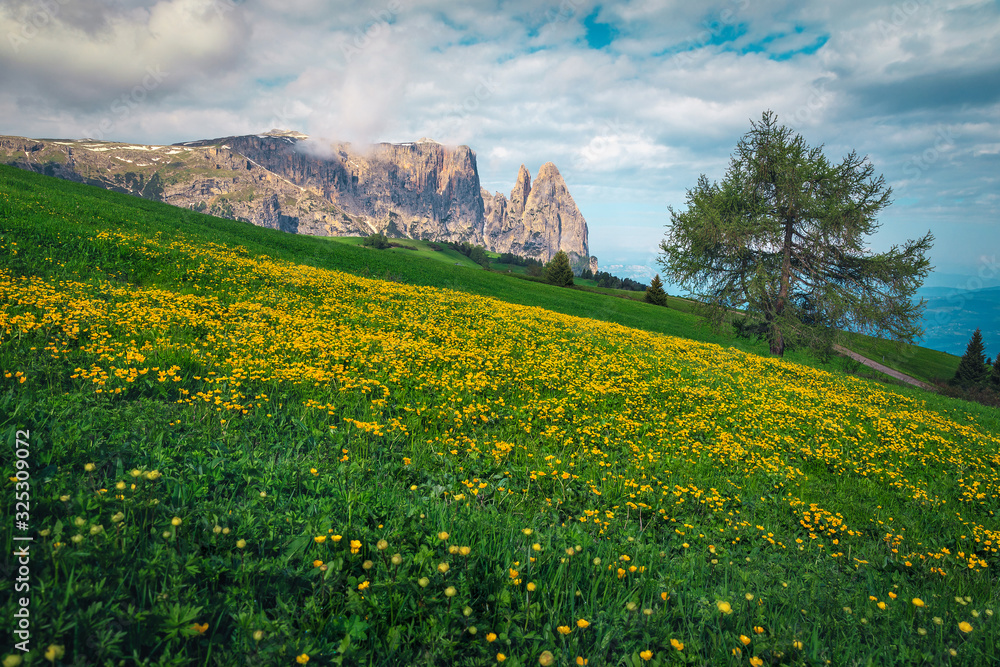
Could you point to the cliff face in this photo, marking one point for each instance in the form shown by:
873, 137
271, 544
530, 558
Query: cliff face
414, 190
540, 219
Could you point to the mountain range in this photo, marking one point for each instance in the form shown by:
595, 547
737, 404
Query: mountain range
284, 180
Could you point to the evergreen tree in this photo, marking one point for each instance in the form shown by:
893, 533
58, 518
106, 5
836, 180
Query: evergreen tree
994, 379
972, 369
558, 271
784, 237
654, 293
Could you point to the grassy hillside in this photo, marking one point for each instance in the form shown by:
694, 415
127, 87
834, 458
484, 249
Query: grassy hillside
238, 455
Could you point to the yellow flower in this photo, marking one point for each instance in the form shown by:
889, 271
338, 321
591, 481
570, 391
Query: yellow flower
797, 644
491, 637
531, 586
397, 559
746, 640
443, 568
564, 629
89, 467
336, 538
892, 595
724, 607
450, 592
881, 605
513, 573
363, 585
581, 661
756, 662
317, 563
240, 544
355, 546
176, 521
302, 659
582, 623
12, 660
546, 658
527, 531
120, 486
758, 630
423, 581
464, 551
381, 545
965, 627
54, 652
917, 602
501, 657
443, 535
677, 644
319, 539
200, 629
258, 635
536, 546
749, 596
663, 596
646, 655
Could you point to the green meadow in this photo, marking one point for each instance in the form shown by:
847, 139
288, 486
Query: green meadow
247, 447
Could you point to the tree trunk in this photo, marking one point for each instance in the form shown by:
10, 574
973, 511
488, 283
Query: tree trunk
777, 340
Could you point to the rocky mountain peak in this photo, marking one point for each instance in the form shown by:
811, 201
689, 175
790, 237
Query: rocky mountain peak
540, 219
421, 189
522, 188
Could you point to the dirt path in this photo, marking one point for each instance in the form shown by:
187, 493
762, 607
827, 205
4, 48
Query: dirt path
883, 369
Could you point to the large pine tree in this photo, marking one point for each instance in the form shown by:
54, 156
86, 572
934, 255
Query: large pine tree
654, 293
558, 271
785, 238
972, 369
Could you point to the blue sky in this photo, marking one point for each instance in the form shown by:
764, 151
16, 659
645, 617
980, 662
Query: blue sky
631, 100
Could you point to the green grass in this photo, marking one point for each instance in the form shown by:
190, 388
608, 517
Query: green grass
702, 461
919, 362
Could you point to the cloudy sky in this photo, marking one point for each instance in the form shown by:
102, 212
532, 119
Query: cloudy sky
631, 100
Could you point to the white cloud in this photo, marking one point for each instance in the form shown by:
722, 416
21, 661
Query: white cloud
635, 122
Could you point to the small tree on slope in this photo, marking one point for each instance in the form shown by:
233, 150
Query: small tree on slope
558, 271
654, 293
972, 369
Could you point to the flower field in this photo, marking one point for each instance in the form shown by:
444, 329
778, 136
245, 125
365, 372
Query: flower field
239, 459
